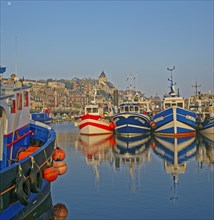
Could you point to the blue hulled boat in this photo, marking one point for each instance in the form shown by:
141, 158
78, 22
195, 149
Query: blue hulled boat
207, 126
26, 149
174, 119
130, 121
202, 104
43, 116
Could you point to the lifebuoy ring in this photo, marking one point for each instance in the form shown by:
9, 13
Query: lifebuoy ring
22, 189
35, 179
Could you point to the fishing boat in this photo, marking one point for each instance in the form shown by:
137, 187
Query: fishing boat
94, 121
203, 106
26, 149
43, 116
174, 119
130, 121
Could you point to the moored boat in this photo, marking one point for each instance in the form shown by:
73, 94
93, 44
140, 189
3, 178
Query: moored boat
43, 116
203, 106
174, 119
26, 149
129, 121
93, 121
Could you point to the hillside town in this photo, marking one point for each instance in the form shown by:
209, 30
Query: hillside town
70, 96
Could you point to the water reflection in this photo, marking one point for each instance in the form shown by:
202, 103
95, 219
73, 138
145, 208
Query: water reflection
118, 151
96, 149
205, 152
175, 152
43, 209
131, 151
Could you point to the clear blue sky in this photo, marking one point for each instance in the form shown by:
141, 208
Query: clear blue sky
67, 39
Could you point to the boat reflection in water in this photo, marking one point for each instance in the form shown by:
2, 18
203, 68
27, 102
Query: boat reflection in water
175, 152
97, 149
43, 208
132, 152
205, 153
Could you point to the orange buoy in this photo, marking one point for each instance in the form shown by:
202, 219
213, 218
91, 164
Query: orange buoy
32, 148
50, 174
27, 152
61, 167
58, 154
24, 154
60, 211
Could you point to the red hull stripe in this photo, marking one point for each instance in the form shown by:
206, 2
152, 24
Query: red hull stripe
96, 125
177, 135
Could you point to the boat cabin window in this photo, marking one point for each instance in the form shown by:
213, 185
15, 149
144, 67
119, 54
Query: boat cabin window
126, 108
88, 110
136, 109
180, 104
91, 110
95, 110
167, 105
131, 108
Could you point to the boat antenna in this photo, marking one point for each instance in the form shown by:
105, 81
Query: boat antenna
196, 86
172, 85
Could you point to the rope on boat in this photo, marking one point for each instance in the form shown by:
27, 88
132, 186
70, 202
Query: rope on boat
13, 186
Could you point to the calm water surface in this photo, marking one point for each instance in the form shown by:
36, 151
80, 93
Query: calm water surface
114, 178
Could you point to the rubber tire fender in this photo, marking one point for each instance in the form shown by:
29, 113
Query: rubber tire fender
1, 203
22, 189
35, 179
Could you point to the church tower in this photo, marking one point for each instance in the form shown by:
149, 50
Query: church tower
102, 78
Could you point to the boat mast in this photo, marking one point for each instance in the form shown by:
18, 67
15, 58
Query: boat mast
172, 85
196, 86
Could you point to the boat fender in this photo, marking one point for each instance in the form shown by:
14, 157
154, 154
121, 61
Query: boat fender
1, 203
22, 189
153, 124
35, 179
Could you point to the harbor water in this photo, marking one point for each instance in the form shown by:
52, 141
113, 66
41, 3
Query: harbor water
114, 178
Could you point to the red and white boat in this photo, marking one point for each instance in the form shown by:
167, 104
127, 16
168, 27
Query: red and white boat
93, 121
